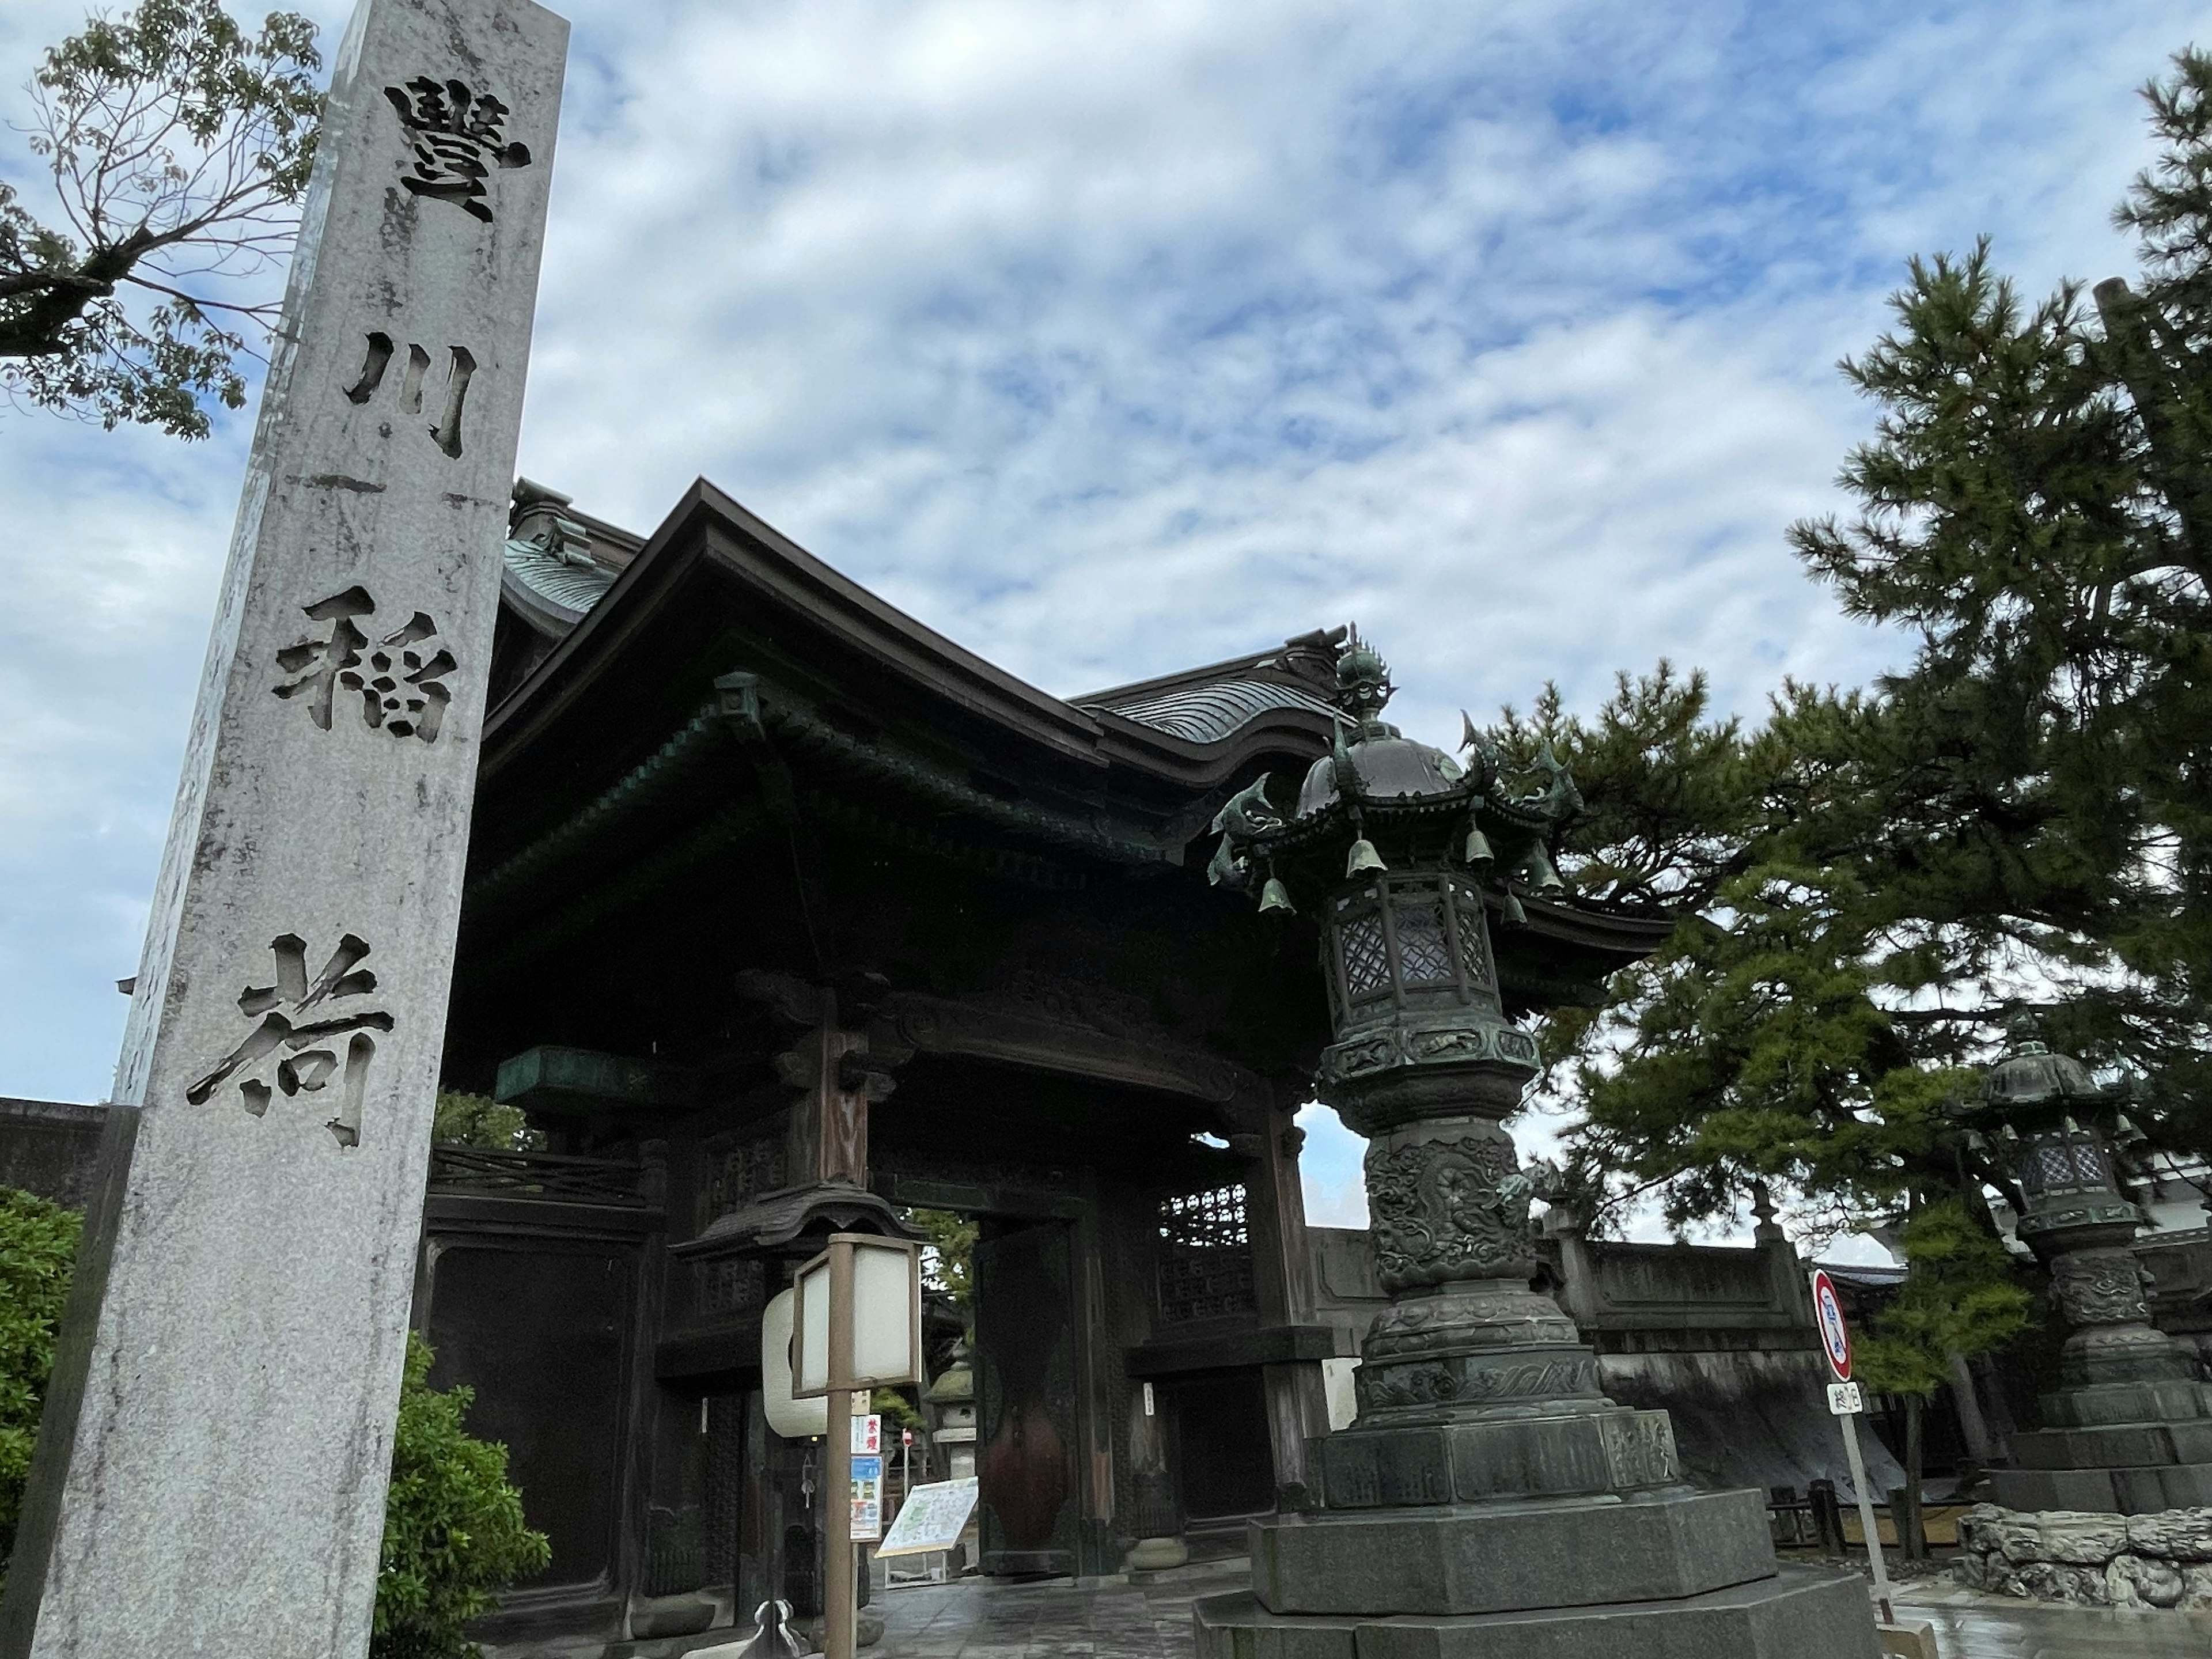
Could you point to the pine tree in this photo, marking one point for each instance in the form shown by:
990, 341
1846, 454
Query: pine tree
2021, 816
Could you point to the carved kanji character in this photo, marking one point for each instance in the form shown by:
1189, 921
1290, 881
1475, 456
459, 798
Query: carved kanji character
401, 682
457, 140
325, 659
306, 1065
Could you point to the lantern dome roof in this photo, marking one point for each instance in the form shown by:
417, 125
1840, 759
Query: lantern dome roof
1388, 763
2029, 1075
1381, 761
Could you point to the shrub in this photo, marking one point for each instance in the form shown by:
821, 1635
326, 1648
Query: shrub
37, 1249
479, 1121
453, 1530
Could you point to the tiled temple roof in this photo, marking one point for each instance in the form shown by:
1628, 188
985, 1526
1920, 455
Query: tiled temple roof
1208, 712
562, 585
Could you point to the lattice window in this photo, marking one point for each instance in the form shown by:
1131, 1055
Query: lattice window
1423, 948
725, 1483
1366, 963
1472, 956
1205, 1255
2067, 1163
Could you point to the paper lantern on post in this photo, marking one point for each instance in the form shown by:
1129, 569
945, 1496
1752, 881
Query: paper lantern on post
858, 1319
793, 1418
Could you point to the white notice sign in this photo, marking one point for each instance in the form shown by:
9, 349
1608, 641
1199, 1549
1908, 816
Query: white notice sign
932, 1518
1845, 1399
867, 1435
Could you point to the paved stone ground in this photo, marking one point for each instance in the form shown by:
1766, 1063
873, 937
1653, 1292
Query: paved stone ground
1970, 1625
973, 1620
980, 1621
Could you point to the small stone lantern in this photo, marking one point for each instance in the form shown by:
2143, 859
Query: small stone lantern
2129, 1429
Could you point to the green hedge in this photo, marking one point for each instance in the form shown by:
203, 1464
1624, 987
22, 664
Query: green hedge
37, 1246
454, 1534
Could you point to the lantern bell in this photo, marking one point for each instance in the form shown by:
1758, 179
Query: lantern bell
1478, 852
1363, 858
1276, 897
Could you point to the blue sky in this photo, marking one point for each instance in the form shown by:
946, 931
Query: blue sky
1113, 337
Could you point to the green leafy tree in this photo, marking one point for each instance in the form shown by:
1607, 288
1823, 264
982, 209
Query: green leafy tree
177, 147
893, 1404
453, 1529
38, 1249
947, 1259
1959, 1299
464, 1120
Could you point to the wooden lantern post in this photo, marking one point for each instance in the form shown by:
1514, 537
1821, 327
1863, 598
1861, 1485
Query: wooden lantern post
857, 1325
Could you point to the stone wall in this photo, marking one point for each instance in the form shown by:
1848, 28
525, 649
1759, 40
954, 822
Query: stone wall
2159, 1560
1719, 1336
51, 1147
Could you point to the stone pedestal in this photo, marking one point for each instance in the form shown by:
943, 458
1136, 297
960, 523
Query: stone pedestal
2130, 1431
210, 1472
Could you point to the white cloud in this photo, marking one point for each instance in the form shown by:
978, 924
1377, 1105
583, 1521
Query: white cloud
1110, 338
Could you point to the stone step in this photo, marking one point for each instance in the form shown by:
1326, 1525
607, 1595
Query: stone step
1798, 1613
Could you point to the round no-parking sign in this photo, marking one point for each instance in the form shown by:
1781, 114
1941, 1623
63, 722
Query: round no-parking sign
1828, 1315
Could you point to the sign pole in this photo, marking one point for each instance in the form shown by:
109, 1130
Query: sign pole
1850, 1422
1845, 1401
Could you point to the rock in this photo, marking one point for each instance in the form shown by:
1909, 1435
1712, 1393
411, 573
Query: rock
868, 1628
1977, 1525
2175, 1534
2196, 1588
2135, 1581
1971, 1568
2080, 1540
2017, 1538
2052, 1581
1158, 1554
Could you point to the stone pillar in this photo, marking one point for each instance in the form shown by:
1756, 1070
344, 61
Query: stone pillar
211, 1475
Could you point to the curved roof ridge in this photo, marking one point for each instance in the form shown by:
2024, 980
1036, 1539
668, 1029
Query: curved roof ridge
1211, 711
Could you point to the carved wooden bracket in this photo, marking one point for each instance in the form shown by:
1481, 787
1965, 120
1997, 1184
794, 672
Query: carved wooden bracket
837, 1073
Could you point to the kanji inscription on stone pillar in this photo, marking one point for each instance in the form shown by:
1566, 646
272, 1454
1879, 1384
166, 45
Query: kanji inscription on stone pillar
211, 1475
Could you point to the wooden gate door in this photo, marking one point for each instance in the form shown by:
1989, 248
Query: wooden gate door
1025, 1387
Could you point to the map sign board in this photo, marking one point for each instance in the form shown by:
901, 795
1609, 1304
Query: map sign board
1828, 1317
932, 1518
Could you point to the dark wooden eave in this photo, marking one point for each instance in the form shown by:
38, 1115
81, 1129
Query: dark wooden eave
870, 657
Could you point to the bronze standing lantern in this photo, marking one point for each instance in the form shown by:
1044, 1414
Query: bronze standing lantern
1487, 1483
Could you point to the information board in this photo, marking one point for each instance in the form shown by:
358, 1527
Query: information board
867, 1499
932, 1518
